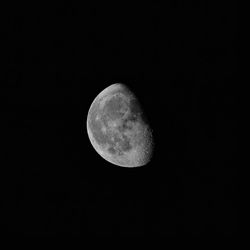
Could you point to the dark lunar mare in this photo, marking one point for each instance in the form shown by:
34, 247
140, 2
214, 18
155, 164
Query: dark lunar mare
96, 126
106, 138
111, 110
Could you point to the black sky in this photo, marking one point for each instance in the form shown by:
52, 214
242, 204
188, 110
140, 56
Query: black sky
179, 59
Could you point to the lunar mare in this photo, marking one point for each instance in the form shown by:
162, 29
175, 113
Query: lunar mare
142, 149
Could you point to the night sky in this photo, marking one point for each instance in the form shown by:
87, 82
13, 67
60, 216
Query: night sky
179, 59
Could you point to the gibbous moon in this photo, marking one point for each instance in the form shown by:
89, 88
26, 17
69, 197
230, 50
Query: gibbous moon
125, 142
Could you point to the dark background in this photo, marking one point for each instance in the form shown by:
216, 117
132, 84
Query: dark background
181, 61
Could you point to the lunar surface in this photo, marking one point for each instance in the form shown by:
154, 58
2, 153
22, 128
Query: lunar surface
118, 129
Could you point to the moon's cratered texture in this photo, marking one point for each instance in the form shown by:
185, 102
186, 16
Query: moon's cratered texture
126, 141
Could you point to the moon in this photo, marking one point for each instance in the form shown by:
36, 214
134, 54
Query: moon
141, 140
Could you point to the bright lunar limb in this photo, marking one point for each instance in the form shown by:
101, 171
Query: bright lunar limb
141, 138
